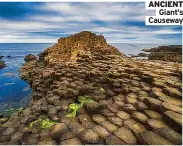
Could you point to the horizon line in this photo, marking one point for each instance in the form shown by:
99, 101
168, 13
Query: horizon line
108, 43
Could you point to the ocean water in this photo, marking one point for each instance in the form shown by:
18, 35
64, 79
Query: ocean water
133, 49
15, 92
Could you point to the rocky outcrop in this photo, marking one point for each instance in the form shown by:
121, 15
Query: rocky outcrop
30, 57
143, 55
2, 64
166, 53
122, 100
81, 45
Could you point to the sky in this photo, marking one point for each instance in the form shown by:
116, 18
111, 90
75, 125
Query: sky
124, 22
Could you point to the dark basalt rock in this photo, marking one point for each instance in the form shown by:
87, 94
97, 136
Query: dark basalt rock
171, 53
2, 64
30, 57
142, 55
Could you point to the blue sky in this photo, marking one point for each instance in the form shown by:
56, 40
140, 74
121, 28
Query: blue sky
46, 22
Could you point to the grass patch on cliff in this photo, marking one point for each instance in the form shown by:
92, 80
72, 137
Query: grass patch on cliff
42, 122
74, 107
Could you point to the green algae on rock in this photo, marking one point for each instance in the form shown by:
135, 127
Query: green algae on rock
42, 122
75, 107
84, 99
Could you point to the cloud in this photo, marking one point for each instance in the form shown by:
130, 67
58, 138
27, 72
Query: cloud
118, 22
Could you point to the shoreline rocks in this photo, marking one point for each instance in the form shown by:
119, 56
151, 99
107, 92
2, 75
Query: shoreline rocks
125, 97
143, 55
2, 64
171, 53
29, 57
1, 57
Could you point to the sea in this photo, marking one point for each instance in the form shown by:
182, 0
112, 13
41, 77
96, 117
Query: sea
15, 92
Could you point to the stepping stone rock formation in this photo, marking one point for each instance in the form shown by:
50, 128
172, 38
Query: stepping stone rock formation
136, 101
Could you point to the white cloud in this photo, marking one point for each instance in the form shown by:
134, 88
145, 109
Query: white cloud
109, 19
85, 12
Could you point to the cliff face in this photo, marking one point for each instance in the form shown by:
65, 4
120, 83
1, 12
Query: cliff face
113, 99
82, 47
82, 44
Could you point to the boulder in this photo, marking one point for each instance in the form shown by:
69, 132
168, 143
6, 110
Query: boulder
29, 57
2, 64
58, 130
142, 55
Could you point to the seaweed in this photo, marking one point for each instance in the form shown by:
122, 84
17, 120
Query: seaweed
74, 107
85, 99
42, 123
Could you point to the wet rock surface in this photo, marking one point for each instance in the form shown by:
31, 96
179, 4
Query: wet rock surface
128, 97
2, 63
143, 55
29, 57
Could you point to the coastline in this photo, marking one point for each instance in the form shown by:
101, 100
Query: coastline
113, 81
